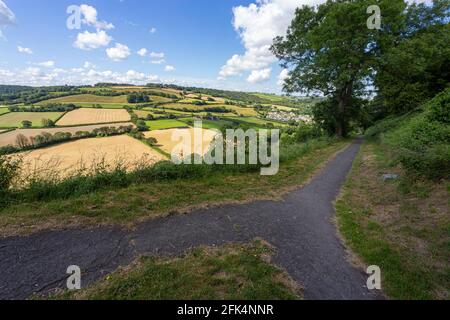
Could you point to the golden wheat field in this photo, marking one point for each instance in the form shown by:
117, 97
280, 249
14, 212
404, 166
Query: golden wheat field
167, 144
67, 158
10, 138
93, 116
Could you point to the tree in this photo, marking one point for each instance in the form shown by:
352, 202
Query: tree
22, 141
47, 123
329, 50
26, 124
417, 67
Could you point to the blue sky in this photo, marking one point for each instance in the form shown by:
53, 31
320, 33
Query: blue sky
209, 43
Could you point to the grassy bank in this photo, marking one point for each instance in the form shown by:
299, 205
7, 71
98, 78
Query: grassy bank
161, 191
403, 226
232, 272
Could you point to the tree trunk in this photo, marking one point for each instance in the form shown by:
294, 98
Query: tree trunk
344, 100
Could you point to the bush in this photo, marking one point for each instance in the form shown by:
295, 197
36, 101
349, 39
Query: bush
422, 145
439, 108
9, 168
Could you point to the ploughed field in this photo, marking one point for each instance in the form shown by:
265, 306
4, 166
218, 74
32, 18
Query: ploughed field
88, 154
10, 138
93, 116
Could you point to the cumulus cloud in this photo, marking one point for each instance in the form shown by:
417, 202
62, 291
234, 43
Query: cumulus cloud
142, 52
157, 55
169, 68
160, 61
7, 17
24, 50
284, 74
90, 18
119, 52
46, 64
258, 76
257, 25
153, 30
92, 40
74, 76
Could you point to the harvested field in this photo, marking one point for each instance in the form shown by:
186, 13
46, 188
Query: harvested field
9, 138
93, 116
89, 154
166, 143
14, 119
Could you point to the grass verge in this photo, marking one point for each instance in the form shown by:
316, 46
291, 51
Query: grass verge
232, 272
402, 226
164, 196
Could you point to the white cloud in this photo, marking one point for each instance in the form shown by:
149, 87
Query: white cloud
24, 50
90, 18
160, 61
119, 52
92, 40
169, 68
257, 25
157, 55
142, 52
7, 17
46, 64
258, 76
284, 74
75, 76
88, 65
153, 30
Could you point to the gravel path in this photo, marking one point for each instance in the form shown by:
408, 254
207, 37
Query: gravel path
300, 227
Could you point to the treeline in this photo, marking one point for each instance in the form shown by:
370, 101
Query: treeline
103, 93
37, 94
51, 107
138, 98
45, 139
11, 89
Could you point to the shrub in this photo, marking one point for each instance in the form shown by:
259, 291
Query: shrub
9, 168
439, 108
422, 145
26, 124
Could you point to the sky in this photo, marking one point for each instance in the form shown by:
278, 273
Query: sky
205, 43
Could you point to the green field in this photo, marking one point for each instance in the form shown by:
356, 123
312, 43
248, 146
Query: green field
165, 124
89, 98
14, 119
258, 121
210, 124
3, 110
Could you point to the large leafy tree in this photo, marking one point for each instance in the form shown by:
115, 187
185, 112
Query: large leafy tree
330, 51
416, 67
